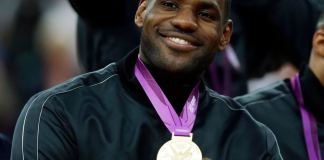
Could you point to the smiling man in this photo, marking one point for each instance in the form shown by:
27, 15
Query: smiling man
152, 104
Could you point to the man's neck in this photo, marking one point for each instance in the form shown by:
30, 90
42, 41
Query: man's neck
176, 88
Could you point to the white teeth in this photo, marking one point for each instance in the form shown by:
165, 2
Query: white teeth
179, 41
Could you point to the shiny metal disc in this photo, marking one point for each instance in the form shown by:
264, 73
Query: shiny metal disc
179, 148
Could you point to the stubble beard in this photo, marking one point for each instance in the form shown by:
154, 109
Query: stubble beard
152, 56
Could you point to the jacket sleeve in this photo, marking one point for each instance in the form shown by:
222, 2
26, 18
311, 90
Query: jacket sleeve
42, 132
273, 152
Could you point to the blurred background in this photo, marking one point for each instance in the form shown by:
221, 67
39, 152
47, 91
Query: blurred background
44, 42
37, 51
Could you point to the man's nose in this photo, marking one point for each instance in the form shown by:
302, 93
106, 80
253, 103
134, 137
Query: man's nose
185, 20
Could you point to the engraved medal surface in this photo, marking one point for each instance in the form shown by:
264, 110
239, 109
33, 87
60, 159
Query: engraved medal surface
179, 148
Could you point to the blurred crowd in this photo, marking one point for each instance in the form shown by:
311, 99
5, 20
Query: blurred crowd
45, 42
37, 51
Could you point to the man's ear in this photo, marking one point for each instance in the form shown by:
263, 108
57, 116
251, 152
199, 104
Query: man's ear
318, 42
140, 13
226, 35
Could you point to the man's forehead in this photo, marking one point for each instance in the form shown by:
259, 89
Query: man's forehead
216, 1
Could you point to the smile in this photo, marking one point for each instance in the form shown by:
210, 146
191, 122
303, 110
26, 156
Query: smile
178, 40
179, 44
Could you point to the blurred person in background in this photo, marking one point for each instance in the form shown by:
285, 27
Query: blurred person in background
37, 24
25, 54
7, 108
106, 31
8, 9
56, 40
8, 99
294, 108
225, 74
271, 38
27, 59
23, 58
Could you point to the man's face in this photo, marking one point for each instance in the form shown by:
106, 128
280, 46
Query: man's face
182, 36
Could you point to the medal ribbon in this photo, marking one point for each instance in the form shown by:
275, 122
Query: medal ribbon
180, 126
309, 122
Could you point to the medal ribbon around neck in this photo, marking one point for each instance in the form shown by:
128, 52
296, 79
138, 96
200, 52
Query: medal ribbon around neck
309, 122
180, 126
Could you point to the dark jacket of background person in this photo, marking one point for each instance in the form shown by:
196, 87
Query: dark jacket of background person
106, 31
268, 33
276, 107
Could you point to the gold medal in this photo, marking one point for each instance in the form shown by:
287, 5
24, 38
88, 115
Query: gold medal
179, 148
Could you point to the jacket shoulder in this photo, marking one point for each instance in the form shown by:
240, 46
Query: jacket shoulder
83, 80
44, 111
273, 91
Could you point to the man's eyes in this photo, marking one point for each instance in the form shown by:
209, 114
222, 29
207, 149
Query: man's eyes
172, 5
169, 4
207, 15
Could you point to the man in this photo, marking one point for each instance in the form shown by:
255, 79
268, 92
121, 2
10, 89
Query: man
129, 109
295, 116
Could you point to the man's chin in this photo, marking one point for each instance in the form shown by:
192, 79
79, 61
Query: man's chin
180, 70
